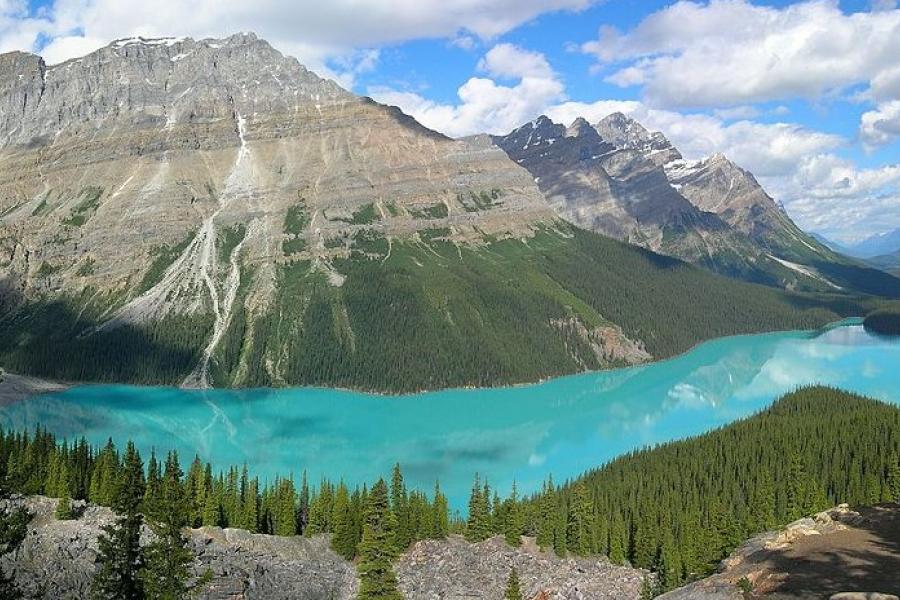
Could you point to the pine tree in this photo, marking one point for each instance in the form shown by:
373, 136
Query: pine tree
478, 524
376, 550
64, 507
617, 541
893, 482
512, 526
400, 509
344, 539
513, 589
285, 508
167, 559
546, 514
579, 525
796, 490
441, 510
120, 554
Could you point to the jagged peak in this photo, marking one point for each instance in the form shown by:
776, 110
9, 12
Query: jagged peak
580, 127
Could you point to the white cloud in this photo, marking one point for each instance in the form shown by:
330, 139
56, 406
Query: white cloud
729, 52
831, 195
328, 30
485, 105
882, 125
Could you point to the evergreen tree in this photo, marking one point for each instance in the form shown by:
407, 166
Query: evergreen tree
344, 539
64, 507
440, 519
376, 550
546, 516
512, 526
167, 559
893, 482
400, 509
513, 588
120, 554
478, 524
285, 508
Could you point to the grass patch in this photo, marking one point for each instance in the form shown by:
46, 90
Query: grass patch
163, 257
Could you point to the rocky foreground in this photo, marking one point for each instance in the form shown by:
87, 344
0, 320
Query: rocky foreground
57, 561
838, 554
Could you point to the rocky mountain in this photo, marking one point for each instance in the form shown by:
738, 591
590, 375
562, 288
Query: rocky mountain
621, 180
876, 245
210, 212
619, 189
57, 560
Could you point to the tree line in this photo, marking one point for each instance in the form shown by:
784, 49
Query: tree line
676, 509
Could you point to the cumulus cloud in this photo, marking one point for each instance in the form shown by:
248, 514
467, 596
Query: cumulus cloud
484, 104
332, 29
882, 125
831, 195
730, 52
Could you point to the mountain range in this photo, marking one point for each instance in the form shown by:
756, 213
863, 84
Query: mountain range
210, 212
619, 179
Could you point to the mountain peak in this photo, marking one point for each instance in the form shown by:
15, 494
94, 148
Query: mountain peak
626, 133
580, 127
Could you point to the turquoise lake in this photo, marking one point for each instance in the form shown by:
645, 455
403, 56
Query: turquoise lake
563, 426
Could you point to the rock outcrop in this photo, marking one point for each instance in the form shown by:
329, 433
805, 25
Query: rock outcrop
840, 554
57, 561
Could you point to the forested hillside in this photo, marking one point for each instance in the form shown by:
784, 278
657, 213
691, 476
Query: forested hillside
425, 314
677, 508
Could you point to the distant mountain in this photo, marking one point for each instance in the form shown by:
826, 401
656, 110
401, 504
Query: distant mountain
210, 212
621, 180
837, 247
887, 262
876, 245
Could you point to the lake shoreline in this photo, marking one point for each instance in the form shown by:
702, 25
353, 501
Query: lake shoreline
12, 394
15, 388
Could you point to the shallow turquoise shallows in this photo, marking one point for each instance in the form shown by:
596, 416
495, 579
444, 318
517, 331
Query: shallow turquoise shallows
563, 426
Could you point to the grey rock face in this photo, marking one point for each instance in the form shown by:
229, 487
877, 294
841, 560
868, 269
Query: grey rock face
625, 132
457, 570
57, 560
149, 144
616, 189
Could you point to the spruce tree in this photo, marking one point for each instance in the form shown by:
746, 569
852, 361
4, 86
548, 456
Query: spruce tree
167, 559
441, 519
376, 550
120, 554
513, 588
400, 509
512, 526
343, 541
64, 506
893, 482
478, 524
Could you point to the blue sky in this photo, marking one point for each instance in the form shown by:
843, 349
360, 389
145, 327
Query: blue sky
806, 94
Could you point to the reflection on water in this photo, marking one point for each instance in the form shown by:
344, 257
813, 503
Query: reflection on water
564, 426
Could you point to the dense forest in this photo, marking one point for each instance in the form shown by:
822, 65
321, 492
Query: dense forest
885, 321
421, 315
677, 508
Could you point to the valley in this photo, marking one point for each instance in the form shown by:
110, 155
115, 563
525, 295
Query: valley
262, 336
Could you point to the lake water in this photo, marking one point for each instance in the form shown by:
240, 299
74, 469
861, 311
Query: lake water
563, 426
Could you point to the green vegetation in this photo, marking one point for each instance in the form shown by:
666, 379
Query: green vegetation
46, 269
90, 200
296, 220
365, 215
513, 589
423, 314
293, 246
57, 340
86, 267
677, 508
438, 211
681, 507
483, 200
228, 240
885, 321
435, 315
163, 257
